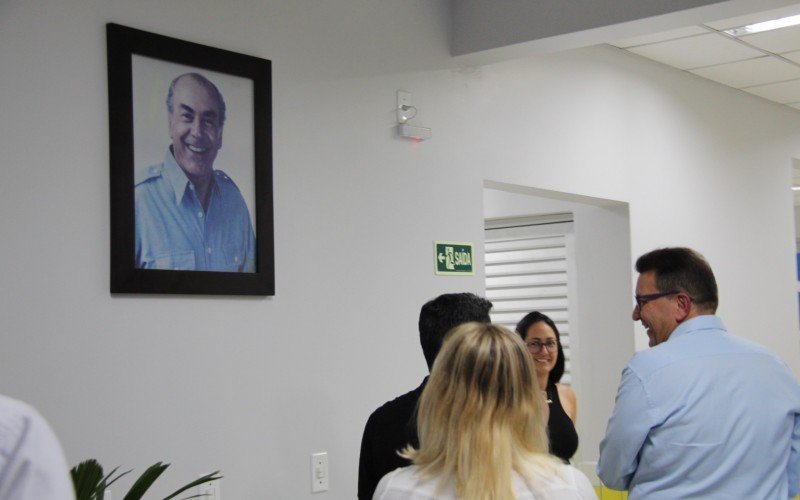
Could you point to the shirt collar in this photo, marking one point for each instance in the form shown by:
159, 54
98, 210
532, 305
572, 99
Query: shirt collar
175, 176
177, 179
702, 322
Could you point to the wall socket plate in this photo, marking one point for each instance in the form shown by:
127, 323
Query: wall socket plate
211, 490
319, 472
403, 99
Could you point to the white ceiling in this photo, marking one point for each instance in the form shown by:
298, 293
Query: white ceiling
765, 64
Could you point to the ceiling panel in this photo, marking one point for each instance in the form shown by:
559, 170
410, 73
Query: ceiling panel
792, 56
751, 72
783, 92
765, 64
756, 17
697, 51
777, 41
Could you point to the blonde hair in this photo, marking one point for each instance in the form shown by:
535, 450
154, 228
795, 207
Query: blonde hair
480, 416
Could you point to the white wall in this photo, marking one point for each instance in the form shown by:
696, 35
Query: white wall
699, 164
797, 225
252, 386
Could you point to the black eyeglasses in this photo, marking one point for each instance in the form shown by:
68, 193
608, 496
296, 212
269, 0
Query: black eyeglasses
536, 345
641, 300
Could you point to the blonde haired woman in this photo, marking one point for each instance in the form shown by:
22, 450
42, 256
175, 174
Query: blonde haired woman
481, 428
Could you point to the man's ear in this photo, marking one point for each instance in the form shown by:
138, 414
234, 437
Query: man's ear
684, 307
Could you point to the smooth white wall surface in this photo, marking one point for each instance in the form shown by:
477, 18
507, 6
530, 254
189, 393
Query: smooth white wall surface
253, 386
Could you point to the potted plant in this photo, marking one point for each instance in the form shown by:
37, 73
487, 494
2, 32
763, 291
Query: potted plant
91, 484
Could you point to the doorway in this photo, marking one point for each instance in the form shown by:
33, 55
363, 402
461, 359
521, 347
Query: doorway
598, 298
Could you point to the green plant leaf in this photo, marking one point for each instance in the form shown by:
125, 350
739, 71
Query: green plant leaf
90, 484
87, 479
208, 477
144, 482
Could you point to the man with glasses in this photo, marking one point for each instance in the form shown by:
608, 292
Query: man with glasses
702, 414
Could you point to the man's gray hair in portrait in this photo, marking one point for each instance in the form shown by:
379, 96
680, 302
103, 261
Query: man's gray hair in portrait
205, 82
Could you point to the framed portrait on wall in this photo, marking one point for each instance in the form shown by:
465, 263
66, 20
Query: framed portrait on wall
191, 167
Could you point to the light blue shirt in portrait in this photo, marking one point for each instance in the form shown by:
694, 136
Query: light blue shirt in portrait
174, 232
704, 415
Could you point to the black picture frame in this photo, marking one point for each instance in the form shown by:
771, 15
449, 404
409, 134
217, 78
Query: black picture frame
123, 44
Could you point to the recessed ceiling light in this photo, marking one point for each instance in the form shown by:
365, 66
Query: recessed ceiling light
795, 188
764, 26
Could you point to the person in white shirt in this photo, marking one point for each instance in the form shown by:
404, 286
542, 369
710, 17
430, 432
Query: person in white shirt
481, 424
32, 463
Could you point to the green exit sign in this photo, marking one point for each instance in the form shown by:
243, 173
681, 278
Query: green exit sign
453, 257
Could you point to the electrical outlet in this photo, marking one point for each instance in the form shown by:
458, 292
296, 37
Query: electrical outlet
319, 472
404, 106
211, 490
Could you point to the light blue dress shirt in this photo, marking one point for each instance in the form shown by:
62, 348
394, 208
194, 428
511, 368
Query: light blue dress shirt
174, 232
704, 415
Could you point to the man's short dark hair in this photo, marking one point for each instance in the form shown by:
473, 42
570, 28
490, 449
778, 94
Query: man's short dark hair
445, 312
205, 82
684, 270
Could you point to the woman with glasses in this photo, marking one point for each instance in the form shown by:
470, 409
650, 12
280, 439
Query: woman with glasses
481, 428
544, 345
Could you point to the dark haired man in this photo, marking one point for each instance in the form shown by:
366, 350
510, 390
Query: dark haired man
392, 426
702, 414
190, 216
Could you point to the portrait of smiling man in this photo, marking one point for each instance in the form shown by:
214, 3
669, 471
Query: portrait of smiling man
189, 215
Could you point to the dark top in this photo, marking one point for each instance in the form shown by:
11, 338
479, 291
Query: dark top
560, 429
389, 429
